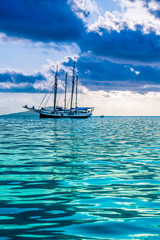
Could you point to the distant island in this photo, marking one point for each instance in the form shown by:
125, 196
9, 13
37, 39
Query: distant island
21, 114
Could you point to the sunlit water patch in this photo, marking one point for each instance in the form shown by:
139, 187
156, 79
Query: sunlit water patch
80, 179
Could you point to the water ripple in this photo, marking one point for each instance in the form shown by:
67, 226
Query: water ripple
80, 179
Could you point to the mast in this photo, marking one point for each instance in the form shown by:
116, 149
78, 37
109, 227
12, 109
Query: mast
65, 92
72, 86
55, 90
76, 90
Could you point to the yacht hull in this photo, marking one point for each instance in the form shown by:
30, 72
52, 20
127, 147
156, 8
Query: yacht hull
44, 115
63, 112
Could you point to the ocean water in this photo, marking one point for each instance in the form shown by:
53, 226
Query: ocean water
80, 179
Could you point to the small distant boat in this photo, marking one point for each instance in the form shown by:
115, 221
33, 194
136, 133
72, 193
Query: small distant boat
64, 112
102, 116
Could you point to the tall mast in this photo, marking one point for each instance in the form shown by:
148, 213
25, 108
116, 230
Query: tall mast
76, 91
72, 86
55, 90
65, 92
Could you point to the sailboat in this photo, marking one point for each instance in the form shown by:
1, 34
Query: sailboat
64, 112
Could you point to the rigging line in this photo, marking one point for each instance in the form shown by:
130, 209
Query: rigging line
76, 97
45, 95
51, 93
85, 99
80, 98
65, 91
79, 101
59, 95
73, 83
68, 99
36, 97
55, 89
48, 98
43, 99
68, 102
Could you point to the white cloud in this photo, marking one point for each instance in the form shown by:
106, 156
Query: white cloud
53, 64
84, 9
86, 5
9, 85
132, 14
125, 103
133, 70
113, 103
154, 5
11, 71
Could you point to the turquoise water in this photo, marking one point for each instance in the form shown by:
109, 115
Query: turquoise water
80, 179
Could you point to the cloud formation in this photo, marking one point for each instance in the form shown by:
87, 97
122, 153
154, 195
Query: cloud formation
135, 14
42, 20
83, 8
13, 81
119, 51
127, 46
97, 74
119, 36
130, 36
94, 74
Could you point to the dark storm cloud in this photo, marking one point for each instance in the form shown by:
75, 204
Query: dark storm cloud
25, 89
54, 21
94, 73
98, 74
131, 46
42, 20
50, 20
14, 77
18, 82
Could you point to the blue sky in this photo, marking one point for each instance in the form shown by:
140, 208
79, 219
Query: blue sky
115, 49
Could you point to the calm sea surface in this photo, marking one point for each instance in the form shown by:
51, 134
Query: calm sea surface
80, 179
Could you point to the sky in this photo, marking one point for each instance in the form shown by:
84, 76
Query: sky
115, 44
